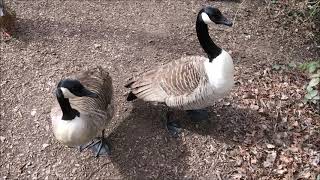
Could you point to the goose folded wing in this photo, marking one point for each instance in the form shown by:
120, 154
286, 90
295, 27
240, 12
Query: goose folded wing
178, 78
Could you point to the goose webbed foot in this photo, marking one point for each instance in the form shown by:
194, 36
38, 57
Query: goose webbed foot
83, 147
100, 147
172, 125
198, 115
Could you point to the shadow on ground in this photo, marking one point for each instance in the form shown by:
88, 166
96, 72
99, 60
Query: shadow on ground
143, 150
234, 125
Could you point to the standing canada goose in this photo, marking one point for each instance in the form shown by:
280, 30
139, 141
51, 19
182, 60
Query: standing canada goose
7, 19
190, 83
84, 109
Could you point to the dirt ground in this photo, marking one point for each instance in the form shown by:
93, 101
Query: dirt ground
261, 131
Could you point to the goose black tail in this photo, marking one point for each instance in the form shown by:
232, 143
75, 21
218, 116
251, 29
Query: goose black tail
131, 96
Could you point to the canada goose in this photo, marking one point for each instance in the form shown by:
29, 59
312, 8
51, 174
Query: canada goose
83, 109
7, 19
191, 83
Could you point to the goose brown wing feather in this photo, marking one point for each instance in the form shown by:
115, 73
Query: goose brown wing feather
174, 79
99, 81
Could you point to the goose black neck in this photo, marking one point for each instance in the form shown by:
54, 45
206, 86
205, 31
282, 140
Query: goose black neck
67, 112
205, 40
1, 5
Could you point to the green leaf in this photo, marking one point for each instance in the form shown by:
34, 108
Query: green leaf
316, 97
305, 100
309, 88
303, 66
313, 93
312, 68
308, 97
276, 66
314, 82
315, 75
292, 65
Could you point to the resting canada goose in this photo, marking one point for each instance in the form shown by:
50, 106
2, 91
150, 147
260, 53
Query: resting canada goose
7, 19
83, 109
190, 83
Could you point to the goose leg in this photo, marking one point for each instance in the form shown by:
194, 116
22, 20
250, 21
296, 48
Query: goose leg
101, 147
198, 115
172, 125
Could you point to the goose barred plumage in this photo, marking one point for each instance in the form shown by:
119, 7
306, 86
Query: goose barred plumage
182, 84
78, 117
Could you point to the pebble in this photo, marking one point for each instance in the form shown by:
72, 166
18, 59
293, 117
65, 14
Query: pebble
97, 45
33, 112
44, 146
2, 138
270, 146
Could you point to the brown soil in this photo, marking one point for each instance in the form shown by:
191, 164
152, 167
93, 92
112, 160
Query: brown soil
261, 131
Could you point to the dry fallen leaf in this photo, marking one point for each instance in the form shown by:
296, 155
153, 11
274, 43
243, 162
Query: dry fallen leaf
305, 174
253, 160
284, 97
281, 171
2, 138
254, 107
285, 159
271, 157
294, 149
238, 176
247, 96
44, 146
97, 45
270, 146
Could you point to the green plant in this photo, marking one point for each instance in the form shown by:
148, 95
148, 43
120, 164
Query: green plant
279, 67
314, 7
312, 88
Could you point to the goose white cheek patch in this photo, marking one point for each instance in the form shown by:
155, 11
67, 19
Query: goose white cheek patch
67, 93
206, 18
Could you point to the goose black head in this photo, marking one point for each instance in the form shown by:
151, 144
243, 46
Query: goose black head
213, 15
73, 88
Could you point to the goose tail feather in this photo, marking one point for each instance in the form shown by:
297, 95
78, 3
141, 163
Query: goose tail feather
131, 96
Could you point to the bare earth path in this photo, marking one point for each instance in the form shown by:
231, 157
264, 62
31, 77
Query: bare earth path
260, 131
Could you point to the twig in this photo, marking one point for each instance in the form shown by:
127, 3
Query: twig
235, 16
